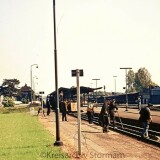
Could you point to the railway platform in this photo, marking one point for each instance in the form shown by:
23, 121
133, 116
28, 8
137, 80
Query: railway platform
132, 113
97, 145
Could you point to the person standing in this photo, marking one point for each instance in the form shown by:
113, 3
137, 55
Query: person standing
48, 107
139, 103
112, 109
63, 109
145, 119
90, 112
104, 117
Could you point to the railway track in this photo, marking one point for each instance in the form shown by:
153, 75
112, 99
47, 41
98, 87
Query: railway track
126, 128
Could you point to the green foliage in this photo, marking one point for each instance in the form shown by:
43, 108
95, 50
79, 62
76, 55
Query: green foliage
13, 82
130, 81
11, 87
142, 79
24, 100
131, 77
8, 102
139, 81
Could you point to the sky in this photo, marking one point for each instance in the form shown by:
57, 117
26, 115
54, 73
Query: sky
98, 36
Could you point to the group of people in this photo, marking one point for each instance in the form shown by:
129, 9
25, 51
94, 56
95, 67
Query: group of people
62, 105
107, 114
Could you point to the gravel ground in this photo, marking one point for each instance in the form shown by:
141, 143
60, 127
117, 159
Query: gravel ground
96, 145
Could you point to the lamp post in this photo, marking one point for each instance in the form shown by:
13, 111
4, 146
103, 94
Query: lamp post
96, 89
32, 78
57, 142
126, 86
35, 77
115, 85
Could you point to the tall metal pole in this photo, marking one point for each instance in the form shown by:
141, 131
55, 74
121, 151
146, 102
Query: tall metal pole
31, 83
126, 93
42, 103
34, 88
32, 79
96, 89
115, 85
126, 87
79, 112
58, 141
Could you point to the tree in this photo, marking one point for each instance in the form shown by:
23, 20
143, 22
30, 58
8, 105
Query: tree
142, 79
8, 102
14, 82
131, 81
10, 87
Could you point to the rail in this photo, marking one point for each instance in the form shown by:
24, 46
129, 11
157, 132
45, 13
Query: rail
127, 129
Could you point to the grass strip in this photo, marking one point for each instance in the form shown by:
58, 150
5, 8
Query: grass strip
24, 138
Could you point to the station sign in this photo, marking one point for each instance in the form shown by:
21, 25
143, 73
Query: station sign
74, 73
42, 92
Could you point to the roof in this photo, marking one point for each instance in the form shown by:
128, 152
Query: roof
25, 88
73, 90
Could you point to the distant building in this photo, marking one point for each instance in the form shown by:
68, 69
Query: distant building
24, 93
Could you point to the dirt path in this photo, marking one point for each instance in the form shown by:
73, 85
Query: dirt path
97, 145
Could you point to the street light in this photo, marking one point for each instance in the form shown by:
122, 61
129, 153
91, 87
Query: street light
32, 78
35, 77
126, 86
115, 85
96, 89
57, 142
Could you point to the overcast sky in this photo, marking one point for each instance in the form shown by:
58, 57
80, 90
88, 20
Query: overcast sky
98, 36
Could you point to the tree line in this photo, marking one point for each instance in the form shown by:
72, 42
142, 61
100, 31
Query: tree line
136, 81
139, 81
10, 87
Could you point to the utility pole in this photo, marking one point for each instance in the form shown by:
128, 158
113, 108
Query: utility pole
32, 80
96, 90
115, 85
58, 141
126, 86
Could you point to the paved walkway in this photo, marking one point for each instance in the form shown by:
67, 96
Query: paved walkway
97, 145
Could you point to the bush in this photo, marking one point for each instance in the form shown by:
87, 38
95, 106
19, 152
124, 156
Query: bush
8, 102
24, 100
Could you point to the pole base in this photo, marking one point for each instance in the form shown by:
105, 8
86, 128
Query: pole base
58, 143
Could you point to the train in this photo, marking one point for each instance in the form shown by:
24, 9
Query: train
119, 98
151, 96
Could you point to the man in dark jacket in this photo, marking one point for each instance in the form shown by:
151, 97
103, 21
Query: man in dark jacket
48, 107
112, 109
63, 108
104, 117
145, 119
